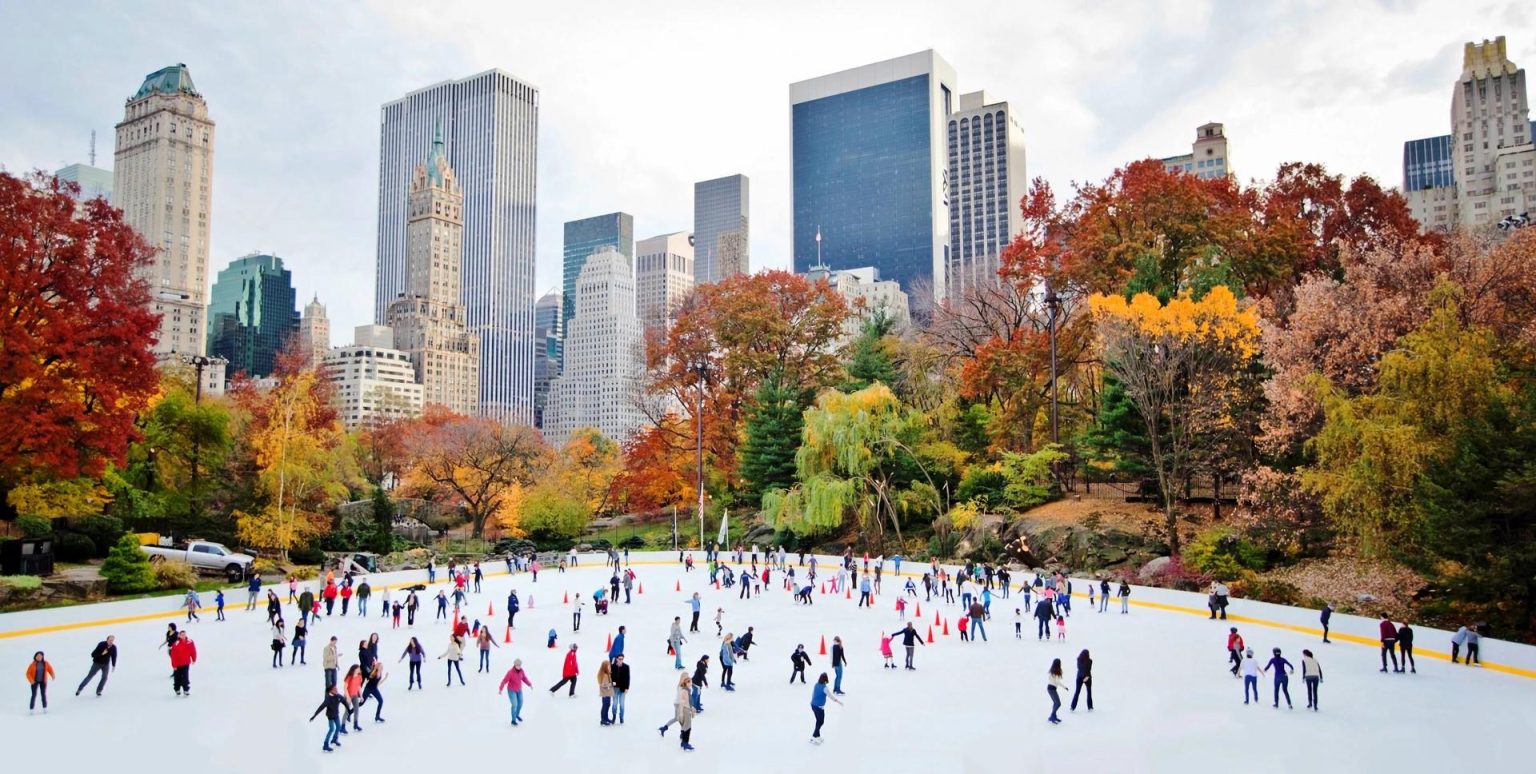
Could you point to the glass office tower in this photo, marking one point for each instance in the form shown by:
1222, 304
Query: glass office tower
582, 239
252, 314
870, 169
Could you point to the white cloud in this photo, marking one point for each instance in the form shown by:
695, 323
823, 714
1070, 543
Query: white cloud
639, 100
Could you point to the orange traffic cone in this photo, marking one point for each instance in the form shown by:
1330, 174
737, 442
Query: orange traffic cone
919, 611
567, 599
935, 618
823, 588
609, 646
509, 636
488, 610
930, 634
847, 592
678, 586
717, 584
823, 644
946, 627
640, 588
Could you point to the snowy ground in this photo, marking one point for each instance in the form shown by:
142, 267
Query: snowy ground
1164, 700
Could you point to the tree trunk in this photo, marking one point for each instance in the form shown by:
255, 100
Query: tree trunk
1216, 496
1171, 522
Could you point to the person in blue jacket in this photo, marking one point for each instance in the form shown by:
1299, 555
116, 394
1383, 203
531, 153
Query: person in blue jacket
819, 698
618, 646
513, 605
1283, 671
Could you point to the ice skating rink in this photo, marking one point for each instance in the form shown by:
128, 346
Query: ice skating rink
1164, 700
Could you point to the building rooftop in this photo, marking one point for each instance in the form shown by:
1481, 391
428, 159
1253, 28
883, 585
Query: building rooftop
168, 80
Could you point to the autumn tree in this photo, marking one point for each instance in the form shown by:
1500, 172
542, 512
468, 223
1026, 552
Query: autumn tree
1175, 362
474, 462
585, 469
76, 364
657, 472
303, 464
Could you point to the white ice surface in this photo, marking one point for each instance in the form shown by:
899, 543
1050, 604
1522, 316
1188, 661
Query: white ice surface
1164, 700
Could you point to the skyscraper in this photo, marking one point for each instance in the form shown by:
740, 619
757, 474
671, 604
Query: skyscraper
599, 386
548, 336
987, 180
721, 245
428, 319
1485, 170
489, 123
372, 382
584, 237
93, 181
251, 314
1208, 157
664, 272
314, 332
870, 171
162, 178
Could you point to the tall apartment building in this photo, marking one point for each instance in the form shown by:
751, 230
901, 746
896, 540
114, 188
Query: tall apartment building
599, 385
429, 321
721, 228
548, 337
870, 168
585, 237
1208, 157
162, 179
373, 382
987, 180
251, 314
1485, 170
489, 124
664, 273
314, 332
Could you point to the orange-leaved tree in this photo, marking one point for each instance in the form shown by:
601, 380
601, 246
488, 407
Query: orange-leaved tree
476, 463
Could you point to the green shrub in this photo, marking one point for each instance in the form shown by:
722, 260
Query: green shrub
174, 575
600, 544
636, 542
985, 483
34, 526
74, 547
517, 546
309, 554
1222, 553
127, 567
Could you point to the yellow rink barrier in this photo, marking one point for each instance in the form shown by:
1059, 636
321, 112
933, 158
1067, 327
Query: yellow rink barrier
1315, 631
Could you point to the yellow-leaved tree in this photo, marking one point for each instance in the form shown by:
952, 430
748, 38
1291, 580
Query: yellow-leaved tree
1178, 363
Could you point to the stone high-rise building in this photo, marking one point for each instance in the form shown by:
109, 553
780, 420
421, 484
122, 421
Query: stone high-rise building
1208, 157
986, 182
162, 178
428, 319
721, 229
547, 333
1485, 170
488, 124
583, 238
314, 332
664, 275
372, 382
599, 385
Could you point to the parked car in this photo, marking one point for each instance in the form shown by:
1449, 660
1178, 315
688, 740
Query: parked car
204, 556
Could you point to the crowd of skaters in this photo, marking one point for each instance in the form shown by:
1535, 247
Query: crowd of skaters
971, 586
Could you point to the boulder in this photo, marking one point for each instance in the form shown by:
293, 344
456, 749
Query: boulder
1152, 568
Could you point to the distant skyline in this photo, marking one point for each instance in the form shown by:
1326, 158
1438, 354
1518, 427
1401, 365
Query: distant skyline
295, 90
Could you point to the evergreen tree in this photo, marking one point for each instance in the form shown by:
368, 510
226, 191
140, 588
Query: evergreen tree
869, 358
127, 567
773, 436
383, 522
1117, 442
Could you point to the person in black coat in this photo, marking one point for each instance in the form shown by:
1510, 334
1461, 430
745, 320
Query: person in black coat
1043, 615
799, 660
620, 675
1084, 679
909, 636
1325, 616
1405, 647
700, 679
103, 660
331, 706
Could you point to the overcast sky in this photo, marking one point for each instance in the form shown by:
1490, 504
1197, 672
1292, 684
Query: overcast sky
641, 99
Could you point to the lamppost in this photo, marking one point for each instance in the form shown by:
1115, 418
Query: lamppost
198, 363
700, 369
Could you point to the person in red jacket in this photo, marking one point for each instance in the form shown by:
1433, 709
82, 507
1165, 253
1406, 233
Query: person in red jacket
1235, 649
568, 674
183, 656
39, 672
330, 598
346, 596
1388, 642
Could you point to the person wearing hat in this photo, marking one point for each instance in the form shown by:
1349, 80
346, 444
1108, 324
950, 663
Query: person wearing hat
1250, 672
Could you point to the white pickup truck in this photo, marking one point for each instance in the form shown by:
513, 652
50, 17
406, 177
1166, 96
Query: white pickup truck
204, 557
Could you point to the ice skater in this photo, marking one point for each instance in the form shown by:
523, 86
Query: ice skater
700, 680
909, 636
694, 602
1388, 643
728, 663
331, 706
455, 654
279, 642
39, 672
1312, 676
414, 652
1103, 595
682, 712
568, 672
1405, 648
512, 683
839, 660
485, 641
799, 660
605, 691
1250, 672
818, 705
1282, 669
103, 660
885, 651
375, 677
675, 642
1084, 679
192, 603
1053, 688
1234, 649
183, 656
1325, 616
1125, 597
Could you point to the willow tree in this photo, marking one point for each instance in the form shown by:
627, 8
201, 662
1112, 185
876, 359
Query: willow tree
1178, 364
855, 448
